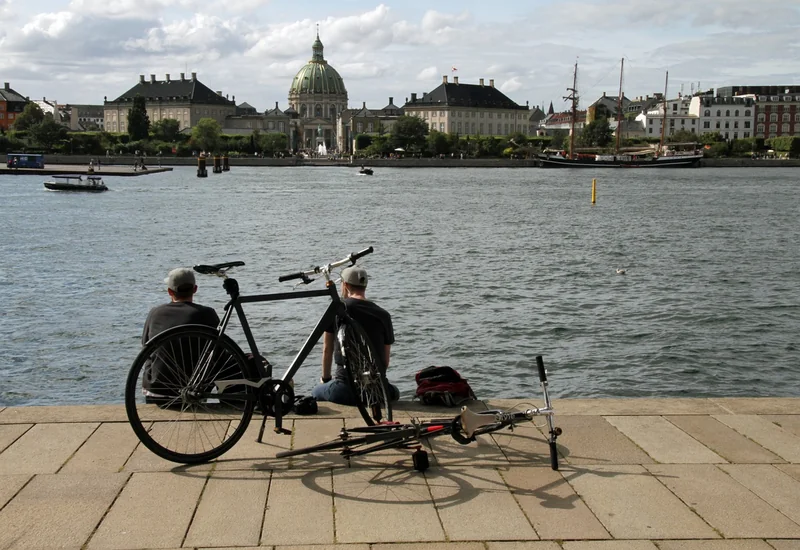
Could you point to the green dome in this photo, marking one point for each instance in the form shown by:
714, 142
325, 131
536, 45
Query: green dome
317, 76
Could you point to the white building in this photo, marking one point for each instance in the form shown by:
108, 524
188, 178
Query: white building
732, 117
678, 118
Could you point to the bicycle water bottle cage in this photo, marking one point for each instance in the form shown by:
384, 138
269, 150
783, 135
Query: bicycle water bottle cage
231, 287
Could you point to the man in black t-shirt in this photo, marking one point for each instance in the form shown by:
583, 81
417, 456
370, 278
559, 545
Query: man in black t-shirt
159, 380
375, 321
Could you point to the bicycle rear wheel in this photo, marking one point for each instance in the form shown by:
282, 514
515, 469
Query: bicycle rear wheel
365, 373
172, 399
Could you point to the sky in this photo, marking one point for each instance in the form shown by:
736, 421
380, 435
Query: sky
81, 51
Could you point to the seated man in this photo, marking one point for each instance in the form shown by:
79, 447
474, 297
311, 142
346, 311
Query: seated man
375, 321
161, 381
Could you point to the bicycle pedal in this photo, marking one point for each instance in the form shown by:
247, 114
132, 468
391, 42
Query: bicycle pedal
282, 431
420, 459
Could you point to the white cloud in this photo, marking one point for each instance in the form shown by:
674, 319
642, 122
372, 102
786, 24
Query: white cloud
428, 73
511, 85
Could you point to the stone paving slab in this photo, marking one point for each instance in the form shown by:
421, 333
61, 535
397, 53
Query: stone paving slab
632, 504
106, 450
431, 546
754, 544
248, 453
536, 545
9, 433
408, 512
10, 485
484, 451
758, 405
776, 487
289, 499
593, 440
789, 422
791, 469
58, 511
638, 406
551, 504
153, 511
663, 441
767, 434
610, 545
485, 508
63, 413
526, 445
231, 509
784, 544
723, 502
44, 448
725, 441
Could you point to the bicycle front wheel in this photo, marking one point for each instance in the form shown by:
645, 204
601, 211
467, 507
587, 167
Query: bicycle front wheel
365, 373
173, 400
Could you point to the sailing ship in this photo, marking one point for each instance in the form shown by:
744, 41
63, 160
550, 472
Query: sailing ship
663, 157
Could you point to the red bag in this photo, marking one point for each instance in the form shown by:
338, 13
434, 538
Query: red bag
442, 386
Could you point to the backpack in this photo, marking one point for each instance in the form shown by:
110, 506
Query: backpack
442, 386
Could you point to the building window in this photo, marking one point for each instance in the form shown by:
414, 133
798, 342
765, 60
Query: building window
441, 126
271, 125
649, 130
747, 112
481, 115
773, 117
459, 127
785, 128
727, 113
370, 127
773, 128
797, 117
786, 117
433, 126
747, 124
318, 110
761, 117
441, 113
707, 124
683, 122
480, 127
718, 124
360, 127
707, 112
490, 127
280, 126
719, 113
727, 124
303, 111
760, 128
747, 134
491, 115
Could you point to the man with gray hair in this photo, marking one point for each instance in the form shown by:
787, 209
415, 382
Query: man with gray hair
375, 321
181, 310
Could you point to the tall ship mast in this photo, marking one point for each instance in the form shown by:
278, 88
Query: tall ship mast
642, 159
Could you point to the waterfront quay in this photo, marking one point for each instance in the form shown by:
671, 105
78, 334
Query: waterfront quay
636, 474
82, 168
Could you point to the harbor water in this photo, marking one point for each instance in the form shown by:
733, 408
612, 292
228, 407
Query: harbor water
481, 269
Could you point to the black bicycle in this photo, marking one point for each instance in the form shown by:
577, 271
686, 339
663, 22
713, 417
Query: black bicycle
464, 428
192, 391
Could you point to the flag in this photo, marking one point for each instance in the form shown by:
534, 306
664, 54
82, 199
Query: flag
454, 69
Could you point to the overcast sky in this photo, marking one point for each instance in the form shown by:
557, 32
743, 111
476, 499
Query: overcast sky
82, 50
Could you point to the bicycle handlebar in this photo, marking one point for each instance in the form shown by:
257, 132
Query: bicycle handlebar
325, 269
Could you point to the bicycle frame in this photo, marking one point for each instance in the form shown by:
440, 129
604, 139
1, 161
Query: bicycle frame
335, 309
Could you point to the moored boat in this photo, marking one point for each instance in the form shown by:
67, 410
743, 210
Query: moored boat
365, 171
91, 184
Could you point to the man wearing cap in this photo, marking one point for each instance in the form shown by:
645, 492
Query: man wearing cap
181, 310
375, 321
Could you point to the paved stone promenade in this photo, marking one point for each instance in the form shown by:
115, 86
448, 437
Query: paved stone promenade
637, 474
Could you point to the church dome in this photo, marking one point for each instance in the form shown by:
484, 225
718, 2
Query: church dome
316, 76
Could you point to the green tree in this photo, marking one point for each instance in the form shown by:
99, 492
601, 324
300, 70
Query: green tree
274, 143
206, 134
683, 136
31, 115
409, 133
596, 134
47, 133
138, 121
166, 129
363, 141
558, 139
437, 143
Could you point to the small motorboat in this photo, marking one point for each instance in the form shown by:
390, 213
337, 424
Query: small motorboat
92, 184
365, 171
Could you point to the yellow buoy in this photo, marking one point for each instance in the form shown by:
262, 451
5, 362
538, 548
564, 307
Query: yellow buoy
594, 190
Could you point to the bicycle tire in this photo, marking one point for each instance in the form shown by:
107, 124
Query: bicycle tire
189, 422
365, 374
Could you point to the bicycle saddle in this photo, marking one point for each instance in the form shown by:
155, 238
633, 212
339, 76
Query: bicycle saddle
216, 268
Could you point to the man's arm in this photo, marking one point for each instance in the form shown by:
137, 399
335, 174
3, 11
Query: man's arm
387, 349
327, 356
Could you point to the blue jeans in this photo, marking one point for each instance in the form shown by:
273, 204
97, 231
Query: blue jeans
338, 391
